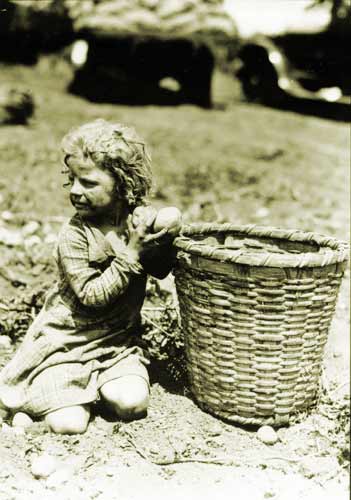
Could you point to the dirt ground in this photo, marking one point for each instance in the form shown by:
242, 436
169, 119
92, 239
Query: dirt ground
239, 162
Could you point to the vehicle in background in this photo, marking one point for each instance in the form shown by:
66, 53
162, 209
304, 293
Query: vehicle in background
160, 52
304, 71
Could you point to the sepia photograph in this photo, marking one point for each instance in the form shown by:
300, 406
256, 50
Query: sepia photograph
174, 249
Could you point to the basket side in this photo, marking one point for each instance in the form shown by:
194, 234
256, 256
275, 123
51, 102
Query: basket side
255, 339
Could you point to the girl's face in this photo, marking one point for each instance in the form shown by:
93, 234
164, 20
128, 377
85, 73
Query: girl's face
92, 189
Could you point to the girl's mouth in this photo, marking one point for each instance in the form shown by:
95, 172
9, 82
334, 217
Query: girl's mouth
79, 204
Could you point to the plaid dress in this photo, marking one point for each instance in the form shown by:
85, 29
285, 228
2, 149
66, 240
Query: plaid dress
90, 322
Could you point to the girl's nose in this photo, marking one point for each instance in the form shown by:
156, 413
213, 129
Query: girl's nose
76, 188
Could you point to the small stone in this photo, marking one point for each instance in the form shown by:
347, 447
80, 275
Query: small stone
43, 465
10, 238
30, 228
267, 434
262, 212
21, 419
7, 215
5, 342
32, 241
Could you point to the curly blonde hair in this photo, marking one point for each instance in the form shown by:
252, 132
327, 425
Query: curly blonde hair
117, 148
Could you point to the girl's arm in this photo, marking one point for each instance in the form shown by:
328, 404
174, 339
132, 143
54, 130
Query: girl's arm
93, 287
157, 260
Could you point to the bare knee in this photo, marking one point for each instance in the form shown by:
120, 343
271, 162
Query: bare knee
70, 420
131, 407
127, 396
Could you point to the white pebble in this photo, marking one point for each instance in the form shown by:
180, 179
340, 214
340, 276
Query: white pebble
262, 212
21, 419
10, 237
267, 434
7, 215
32, 241
43, 465
30, 228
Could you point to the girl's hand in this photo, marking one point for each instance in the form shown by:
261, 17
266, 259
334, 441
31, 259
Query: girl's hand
163, 237
137, 235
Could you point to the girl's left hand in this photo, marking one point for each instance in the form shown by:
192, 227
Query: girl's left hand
163, 237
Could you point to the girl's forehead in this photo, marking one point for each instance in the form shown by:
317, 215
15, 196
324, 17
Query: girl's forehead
82, 166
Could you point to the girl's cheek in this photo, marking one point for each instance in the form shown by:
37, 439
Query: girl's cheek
97, 198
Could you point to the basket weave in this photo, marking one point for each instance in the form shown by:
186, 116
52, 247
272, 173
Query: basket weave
256, 304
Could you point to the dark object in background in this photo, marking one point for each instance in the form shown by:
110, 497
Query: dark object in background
140, 52
133, 47
130, 70
301, 72
30, 28
16, 105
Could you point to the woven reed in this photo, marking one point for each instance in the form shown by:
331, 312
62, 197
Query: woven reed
256, 305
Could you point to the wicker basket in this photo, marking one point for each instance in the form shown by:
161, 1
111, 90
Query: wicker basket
256, 304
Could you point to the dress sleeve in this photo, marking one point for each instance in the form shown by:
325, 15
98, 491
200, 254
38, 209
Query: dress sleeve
93, 287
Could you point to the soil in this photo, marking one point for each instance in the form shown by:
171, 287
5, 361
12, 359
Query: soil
239, 162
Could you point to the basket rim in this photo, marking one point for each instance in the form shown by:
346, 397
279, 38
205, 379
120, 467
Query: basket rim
339, 250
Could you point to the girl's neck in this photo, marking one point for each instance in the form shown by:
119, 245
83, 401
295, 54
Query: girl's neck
115, 219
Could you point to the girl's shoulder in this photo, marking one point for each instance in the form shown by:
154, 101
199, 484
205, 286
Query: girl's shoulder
72, 230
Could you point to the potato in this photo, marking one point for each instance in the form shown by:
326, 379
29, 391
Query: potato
267, 435
144, 215
167, 218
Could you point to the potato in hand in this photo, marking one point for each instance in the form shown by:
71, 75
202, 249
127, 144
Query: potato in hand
169, 218
144, 216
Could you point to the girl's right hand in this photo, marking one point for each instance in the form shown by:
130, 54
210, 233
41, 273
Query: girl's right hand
137, 235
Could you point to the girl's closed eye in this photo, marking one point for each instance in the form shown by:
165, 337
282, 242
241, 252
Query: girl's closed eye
87, 183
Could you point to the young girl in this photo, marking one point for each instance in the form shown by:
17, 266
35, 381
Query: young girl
83, 345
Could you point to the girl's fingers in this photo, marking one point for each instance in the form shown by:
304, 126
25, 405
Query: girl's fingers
151, 238
138, 231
